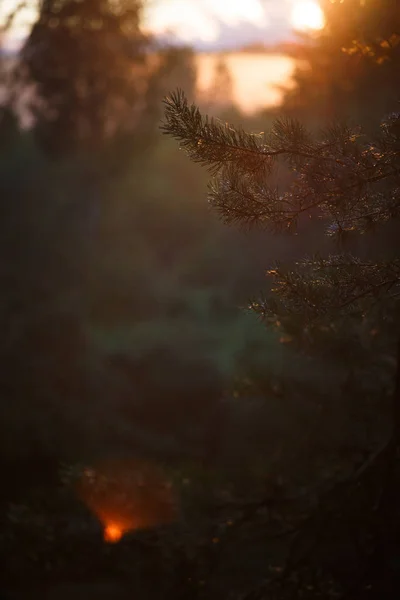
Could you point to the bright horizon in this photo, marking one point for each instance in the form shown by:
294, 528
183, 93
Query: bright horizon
210, 22
213, 25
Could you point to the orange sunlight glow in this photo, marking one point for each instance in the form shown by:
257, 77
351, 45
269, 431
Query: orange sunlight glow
126, 496
113, 533
258, 80
307, 15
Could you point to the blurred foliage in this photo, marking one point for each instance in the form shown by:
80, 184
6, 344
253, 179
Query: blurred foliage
351, 67
85, 61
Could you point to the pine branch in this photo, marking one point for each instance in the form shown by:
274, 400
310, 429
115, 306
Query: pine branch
210, 142
338, 176
243, 199
349, 181
215, 144
333, 285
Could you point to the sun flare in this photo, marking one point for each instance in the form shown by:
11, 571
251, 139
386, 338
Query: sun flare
307, 15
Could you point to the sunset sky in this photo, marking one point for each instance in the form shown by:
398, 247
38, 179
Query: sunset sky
213, 23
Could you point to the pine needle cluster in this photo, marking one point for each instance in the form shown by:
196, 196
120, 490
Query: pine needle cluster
345, 181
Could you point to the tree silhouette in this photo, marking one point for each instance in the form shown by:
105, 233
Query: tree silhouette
354, 57
85, 59
349, 184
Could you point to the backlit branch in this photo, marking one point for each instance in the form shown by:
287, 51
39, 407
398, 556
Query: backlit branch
350, 182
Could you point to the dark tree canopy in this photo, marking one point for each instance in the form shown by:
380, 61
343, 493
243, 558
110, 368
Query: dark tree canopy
84, 58
351, 65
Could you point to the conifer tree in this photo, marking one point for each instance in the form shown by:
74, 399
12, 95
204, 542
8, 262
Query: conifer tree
85, 59
349, 185
345, 182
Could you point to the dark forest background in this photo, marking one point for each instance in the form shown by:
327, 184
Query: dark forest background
126, 335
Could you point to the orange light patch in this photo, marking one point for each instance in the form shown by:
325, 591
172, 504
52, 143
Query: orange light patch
126, 496
112, 533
